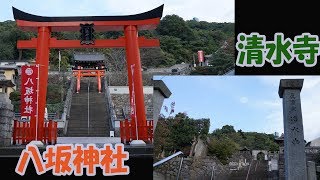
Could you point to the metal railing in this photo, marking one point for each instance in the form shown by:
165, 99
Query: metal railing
52, 116
109, 107
67, 105
169, 158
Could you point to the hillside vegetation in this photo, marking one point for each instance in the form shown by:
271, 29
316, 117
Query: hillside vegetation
180, 40
178, 134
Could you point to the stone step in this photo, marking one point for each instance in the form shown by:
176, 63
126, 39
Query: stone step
85, 129
86, 140
82, 134
78, 120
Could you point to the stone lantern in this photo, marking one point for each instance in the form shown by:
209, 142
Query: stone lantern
6, 112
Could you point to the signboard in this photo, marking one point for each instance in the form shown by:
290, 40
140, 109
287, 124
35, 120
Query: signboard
29, 90
200, 56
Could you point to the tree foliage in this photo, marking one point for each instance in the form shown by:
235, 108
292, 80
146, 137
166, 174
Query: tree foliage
222, 147
177, 133
225, 141
179, 41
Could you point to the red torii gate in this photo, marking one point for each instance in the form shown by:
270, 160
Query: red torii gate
130, 24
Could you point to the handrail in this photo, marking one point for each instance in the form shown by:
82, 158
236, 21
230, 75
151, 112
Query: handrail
212, 173
167, 159
178, 175
110, 108
67, 105
17, 115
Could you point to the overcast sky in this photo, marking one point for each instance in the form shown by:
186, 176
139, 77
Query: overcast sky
250, 103
205, 10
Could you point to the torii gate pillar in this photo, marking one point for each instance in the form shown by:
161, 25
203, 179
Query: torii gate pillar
135, 82
42, 58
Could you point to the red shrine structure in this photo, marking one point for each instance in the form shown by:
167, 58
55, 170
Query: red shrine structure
92, 66
130, 24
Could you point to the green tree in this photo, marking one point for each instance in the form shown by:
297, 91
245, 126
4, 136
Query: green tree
177, 133
174, 46
223, 148
180, 40
15, 96
173, 25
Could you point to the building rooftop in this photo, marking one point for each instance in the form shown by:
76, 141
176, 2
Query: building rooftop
8, 67
13, 60
314, 143
162, 87
88, 57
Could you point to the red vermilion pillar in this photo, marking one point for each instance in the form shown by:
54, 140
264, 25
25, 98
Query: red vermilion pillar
99, 81
133, 58
78, 80
42, 58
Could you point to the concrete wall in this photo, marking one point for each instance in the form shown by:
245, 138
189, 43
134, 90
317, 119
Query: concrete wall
161, 91
125, 90
256, 152
121, 99
158, 99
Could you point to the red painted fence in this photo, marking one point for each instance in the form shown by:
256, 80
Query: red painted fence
22, 132
128, 131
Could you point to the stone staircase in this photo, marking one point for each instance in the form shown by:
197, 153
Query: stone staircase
96, 113
258, 171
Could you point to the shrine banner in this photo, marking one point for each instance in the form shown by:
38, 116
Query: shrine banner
29, 90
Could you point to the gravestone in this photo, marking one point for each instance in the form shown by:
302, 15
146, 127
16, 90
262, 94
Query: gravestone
312, 174
294, 146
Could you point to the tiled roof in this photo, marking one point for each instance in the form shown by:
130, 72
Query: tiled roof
88, 57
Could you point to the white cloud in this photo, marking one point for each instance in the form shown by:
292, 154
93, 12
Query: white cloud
310, 103
205, 10
244, 100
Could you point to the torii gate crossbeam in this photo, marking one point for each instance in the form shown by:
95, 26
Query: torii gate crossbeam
130, 24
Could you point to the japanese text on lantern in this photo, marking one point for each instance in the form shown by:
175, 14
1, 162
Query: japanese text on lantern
29, 90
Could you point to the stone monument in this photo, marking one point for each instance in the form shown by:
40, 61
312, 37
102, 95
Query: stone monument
294, 145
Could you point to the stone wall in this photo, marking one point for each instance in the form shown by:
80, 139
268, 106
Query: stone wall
6, 120
121, 78
192, 168
177, 69
123, 101
239, 160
